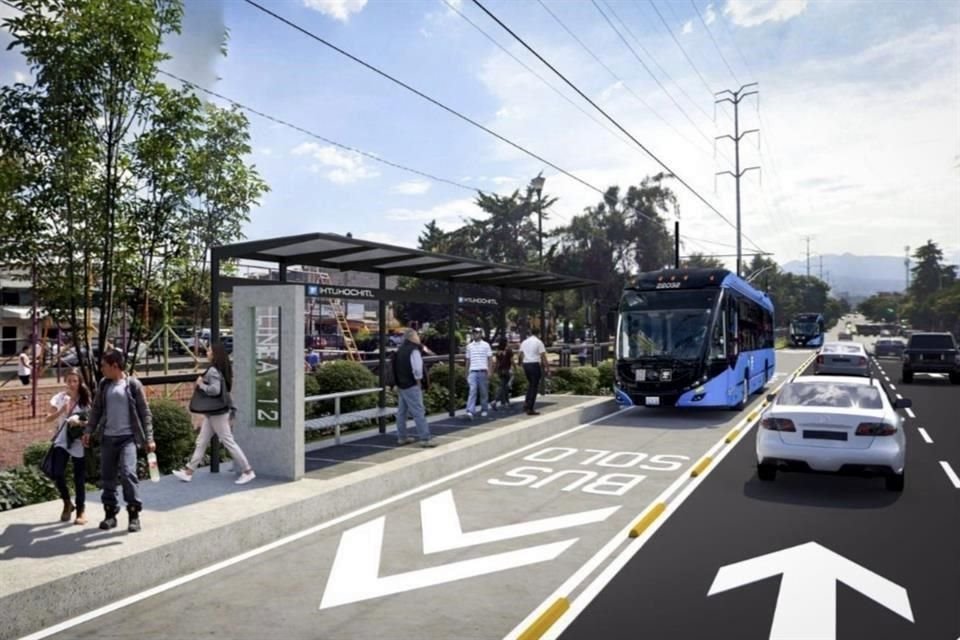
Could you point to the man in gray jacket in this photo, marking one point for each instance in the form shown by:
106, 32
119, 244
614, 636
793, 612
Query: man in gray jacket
121, 416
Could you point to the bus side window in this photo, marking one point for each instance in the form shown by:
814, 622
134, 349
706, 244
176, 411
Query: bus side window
718, 341
733, 328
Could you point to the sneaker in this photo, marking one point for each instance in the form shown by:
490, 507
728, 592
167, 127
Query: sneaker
134, 525
246, 477
483, 414
183, 475
469, 415
404, 441
428, 444
109, 522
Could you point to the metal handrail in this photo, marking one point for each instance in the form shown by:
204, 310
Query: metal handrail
336, 404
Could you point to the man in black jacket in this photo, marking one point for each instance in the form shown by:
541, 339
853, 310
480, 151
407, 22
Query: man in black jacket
408, 375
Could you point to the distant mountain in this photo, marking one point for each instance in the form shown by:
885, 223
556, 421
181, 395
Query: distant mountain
855, 276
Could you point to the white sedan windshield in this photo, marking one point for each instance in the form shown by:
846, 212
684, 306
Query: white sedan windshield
826, 394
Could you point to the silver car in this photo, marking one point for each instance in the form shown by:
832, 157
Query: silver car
842, 358
833, 424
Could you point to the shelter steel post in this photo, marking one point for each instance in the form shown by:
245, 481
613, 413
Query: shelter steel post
382, 349
452, 349
214, 336
503, 313
676, 244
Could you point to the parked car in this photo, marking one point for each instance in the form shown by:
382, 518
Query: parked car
888, 347
842, 358
843, 335
833, 425
930, 352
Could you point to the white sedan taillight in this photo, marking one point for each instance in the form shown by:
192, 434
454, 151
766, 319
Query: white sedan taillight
875, 429
778, 424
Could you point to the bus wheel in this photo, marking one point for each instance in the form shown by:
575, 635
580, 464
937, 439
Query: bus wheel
745, 395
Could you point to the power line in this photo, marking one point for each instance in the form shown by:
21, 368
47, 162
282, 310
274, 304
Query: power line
312, 134
616, 77
608, 117
714, 41
419, 93
652, 58
706, 85
649, 72
535, 74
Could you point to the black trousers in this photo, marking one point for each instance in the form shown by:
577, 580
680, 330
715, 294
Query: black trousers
533, 372
60, 459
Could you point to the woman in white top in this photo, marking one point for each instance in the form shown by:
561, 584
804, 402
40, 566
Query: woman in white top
24, 366
70, 408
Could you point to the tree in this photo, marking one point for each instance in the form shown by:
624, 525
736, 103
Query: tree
700, 261
99, 160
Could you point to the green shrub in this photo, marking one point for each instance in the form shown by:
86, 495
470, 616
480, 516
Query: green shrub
580, 381
437, 400
605, 382
311, 387
440, 377
173, 432
345, 375
519, 387
21, 486
34, 453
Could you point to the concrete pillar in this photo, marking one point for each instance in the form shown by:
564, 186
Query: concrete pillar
268, 394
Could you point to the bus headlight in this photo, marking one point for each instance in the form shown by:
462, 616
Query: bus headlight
666, 375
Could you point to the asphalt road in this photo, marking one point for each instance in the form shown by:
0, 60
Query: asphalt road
468, 557
907, 540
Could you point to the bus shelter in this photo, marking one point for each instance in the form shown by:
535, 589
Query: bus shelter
347, 254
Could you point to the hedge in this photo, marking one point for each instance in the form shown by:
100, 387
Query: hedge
580, 380
345, 375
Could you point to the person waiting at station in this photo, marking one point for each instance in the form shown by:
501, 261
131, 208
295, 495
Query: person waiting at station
408, 376
533, 358
504, 367
479, 357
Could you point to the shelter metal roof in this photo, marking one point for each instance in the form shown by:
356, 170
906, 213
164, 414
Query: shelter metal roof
332, 251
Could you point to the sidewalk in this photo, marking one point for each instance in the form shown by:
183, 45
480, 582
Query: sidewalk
51, 571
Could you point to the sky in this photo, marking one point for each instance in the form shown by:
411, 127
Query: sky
858, 111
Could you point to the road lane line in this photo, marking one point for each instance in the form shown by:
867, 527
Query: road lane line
536, 630
590, 592
947, 469
911, 413
190, 577
893, 386
899, 397
923, 434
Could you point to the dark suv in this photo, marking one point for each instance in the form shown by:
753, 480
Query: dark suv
931, 353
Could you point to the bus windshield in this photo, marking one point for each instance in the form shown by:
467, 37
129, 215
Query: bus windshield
664, 323
805, 329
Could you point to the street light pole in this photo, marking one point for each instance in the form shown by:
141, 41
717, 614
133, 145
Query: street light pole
536, 185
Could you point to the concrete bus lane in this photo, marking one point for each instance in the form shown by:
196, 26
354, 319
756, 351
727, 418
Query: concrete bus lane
468, 557
806, 556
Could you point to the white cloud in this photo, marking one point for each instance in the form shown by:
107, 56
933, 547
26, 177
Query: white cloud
412, 188
502, 180
688, 27
344, 167
336, 9
710, 15
751, 13
449, 215
264, 151
19, 76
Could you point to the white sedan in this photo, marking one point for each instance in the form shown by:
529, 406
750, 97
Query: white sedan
842, 358
833, 424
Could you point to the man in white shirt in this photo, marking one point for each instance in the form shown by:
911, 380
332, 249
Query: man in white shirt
479, 359
533, 358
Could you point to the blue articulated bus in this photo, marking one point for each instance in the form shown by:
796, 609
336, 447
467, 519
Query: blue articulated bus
806, 330
693, 338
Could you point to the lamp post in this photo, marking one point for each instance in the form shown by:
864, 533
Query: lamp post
536, 185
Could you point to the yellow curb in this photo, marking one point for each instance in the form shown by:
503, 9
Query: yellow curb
751, 417
703, 464
731, 436
546, 620
647, 519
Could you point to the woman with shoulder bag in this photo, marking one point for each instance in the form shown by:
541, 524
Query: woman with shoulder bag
212, 399
71, 407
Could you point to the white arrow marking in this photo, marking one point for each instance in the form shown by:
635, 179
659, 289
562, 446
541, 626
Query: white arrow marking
355, 573
442, 530
807, 602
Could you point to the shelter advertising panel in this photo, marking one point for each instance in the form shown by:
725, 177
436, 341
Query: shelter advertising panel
266, 348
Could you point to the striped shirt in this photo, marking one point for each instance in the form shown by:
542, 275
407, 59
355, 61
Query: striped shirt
478, 355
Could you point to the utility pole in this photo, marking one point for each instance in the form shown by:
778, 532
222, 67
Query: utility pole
906, 267
821, 267
808, 255
734, 99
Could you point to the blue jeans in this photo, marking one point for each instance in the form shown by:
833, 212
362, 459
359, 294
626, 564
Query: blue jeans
412, 400
118, 457
478, 379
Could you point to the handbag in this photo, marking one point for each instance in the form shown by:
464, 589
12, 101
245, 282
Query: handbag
46, 465
201, 402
